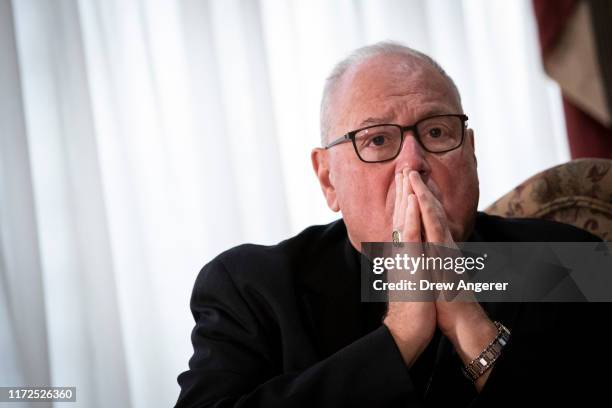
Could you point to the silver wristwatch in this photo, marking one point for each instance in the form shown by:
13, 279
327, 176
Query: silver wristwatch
478, 366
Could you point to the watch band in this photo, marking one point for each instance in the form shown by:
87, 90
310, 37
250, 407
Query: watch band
478, 366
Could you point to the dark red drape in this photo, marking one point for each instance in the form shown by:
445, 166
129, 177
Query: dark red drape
587, 137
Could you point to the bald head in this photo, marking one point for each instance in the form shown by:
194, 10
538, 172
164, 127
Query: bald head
393, 60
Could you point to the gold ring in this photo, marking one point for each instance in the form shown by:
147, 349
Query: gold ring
397, 236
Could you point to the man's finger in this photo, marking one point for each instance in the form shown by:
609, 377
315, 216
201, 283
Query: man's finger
406, 189
398, 197
412, 221
432, 212
407, 186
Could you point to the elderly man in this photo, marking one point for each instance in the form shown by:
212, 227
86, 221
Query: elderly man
284, 325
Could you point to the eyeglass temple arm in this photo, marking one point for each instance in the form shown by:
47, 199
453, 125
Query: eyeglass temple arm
338, 141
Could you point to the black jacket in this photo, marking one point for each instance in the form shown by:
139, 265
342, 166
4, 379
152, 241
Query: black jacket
283, 326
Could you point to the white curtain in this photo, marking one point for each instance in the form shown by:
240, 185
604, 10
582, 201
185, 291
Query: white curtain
139, 138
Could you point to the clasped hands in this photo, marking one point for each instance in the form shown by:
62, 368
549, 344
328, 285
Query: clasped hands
420, 217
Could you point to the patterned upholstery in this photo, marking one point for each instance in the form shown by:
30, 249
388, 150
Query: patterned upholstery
578, 193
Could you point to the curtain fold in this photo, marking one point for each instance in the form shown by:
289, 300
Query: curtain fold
85, 347
23, 328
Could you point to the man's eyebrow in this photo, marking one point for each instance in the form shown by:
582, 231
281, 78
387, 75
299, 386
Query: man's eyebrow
387, 119
434, 111
374, 121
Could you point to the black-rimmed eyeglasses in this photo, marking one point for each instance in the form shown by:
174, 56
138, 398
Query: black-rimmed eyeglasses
383, 142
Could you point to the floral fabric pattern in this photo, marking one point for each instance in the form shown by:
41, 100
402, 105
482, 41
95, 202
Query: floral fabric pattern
578, 193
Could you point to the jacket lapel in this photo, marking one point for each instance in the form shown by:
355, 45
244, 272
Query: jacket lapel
330, 287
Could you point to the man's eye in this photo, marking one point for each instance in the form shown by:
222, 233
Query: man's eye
434, 133
378, 140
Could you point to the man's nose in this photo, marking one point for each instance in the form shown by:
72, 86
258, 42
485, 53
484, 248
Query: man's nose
412, 156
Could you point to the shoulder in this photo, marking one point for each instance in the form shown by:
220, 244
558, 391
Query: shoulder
494, 228
265, 263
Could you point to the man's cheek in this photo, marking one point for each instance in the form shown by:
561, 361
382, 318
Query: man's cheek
435, 190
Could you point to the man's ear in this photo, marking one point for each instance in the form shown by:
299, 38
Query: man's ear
473, 143
320, 164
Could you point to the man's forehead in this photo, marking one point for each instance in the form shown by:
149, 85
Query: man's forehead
389, 71
361, 109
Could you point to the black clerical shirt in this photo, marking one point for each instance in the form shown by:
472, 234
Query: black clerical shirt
283, 326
